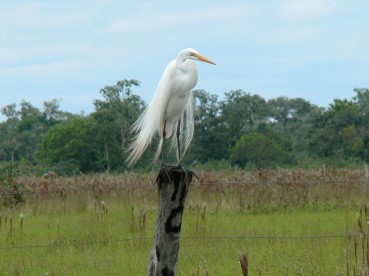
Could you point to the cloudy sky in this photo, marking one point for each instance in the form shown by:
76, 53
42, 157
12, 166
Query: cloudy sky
69, 50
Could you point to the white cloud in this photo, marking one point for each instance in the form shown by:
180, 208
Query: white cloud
46, 16
89, 44
37, 70
306, 9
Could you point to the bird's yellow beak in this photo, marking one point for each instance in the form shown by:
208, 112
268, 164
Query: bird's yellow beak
200, 57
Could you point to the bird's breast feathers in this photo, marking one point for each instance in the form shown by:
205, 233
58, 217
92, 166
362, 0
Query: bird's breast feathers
184, 80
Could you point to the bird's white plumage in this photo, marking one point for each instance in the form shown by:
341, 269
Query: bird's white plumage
172, 101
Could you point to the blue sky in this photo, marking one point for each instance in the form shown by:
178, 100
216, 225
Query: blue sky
69, 50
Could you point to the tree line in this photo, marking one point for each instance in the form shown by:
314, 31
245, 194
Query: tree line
243, 130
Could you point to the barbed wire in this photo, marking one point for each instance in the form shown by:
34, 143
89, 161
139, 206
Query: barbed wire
91, 243
317, 181
101, 188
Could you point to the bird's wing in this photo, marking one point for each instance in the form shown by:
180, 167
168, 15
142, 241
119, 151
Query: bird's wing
187, 127
162, 95
151, 120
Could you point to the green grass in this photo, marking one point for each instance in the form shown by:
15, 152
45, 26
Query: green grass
109, 232
58, 222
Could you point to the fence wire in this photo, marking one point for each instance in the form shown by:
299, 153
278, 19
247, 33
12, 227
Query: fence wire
122, 187
102, 188
91, 243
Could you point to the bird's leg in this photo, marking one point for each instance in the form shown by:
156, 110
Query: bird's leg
162, 154
178, 142
162, 145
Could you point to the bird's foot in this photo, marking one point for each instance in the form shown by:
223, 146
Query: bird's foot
180, 167
166, 169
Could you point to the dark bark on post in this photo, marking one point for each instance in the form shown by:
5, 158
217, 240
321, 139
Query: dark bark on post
173, 183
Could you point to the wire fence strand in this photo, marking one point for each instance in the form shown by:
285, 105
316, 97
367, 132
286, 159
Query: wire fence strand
124, 187
119, 187
91, 243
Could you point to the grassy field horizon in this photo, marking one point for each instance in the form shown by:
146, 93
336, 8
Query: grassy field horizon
289, 222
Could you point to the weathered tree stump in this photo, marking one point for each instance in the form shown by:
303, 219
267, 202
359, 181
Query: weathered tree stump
173, 183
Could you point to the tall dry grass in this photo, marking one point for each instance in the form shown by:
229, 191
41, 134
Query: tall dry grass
237, 189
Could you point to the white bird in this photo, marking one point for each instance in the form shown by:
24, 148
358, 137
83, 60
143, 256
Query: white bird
170, 110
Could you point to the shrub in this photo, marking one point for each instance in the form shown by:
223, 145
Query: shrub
11, 190
259, 150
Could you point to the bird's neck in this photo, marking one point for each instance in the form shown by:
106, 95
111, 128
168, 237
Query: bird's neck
186, 65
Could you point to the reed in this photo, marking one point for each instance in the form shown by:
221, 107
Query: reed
244, 262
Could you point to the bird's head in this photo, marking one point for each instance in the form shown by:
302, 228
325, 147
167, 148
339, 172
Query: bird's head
190, 53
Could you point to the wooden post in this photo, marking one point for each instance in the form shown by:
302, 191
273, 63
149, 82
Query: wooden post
173, 183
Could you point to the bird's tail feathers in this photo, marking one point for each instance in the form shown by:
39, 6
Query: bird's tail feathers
148, 125
158, 151
143, 131
186, 130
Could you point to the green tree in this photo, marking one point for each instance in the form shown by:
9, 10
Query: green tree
325, 137
208, 143
9, 136
52, 113
258, 150
290, 119
362, 101
353, 143
23, 129
70, 147
284, 110
31, 127
114, 116
240, 113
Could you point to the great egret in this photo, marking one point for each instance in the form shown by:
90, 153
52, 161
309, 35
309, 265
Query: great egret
170, 107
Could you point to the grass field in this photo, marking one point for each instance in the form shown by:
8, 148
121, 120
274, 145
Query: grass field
288, 222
